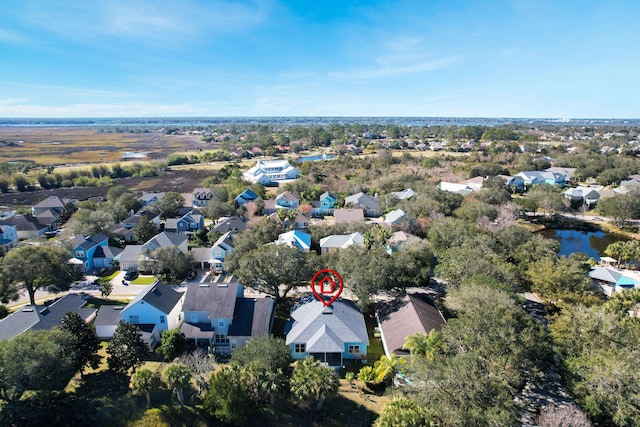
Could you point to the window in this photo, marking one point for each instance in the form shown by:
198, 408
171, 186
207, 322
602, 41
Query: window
134, 319
80, 254
222, 339
300, 348
194, 317
221, 323
163, 319
354, 349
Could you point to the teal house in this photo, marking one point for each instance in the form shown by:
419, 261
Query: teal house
329, 334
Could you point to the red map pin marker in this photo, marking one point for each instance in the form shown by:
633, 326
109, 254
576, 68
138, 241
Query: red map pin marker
326, 283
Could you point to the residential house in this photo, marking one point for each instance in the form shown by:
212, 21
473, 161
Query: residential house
605, 277
532, 178
222, 248
94, 252
400, 238
340, 241
475, 183
125, 230
370, 204
347, 216
232, 223
42, 317
404, 194
325, 205
148, 199
133, 255
301, 221
266, 171
567, 172
415, 313
188, 224
8, 234
452, 187
395, 217
295, 239
217, 315
288, 200
107, 321
51, 203
582, 196
329, 334
627, 185
201, 197
154, 310
27, 227
245, 197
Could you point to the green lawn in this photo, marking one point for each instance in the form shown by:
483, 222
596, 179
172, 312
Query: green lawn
143, 280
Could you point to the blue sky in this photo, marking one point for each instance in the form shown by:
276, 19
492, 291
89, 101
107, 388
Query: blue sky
490, 58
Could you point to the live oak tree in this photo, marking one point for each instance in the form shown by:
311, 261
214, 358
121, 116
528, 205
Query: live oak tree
231, 398
276, 269
126, 350
169, 204
144, 230
36, 360
84, 340
174, 343
36, 267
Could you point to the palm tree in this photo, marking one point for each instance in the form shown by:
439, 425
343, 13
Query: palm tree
387, 367
178, 377
143, 381
615, 250
310, 381
272, 383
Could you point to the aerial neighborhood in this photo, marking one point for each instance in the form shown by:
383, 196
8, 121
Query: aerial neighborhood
443, 248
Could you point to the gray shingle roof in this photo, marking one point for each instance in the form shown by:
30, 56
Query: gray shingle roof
252, 317
341, 322
42, 317
218, 300
160, 296
108, 315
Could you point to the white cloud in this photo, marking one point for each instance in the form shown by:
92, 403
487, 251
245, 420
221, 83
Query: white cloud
23, 108
10, 36
395, 66
161, 21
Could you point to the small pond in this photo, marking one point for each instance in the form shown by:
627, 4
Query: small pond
317, 157
592, 243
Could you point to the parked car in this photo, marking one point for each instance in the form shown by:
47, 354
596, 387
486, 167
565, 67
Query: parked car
130, 275
192, 275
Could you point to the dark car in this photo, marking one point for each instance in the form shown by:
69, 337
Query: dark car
130, 275
192, 275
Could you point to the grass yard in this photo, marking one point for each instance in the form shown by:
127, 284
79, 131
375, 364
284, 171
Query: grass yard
143, 280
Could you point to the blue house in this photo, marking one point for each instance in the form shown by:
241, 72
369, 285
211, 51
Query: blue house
325, 205
288, 200
84, 249
187, 224
328, 334
245, 197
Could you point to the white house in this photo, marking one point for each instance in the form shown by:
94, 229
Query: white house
155, 309
265, 171
340, 241
295, 239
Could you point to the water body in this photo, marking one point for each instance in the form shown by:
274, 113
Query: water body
592, 243
306, 121
316, 158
